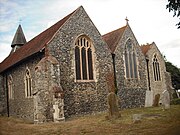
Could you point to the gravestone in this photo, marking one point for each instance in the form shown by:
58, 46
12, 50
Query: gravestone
58, 104
156, 100
136, 118
113, 106
165, 100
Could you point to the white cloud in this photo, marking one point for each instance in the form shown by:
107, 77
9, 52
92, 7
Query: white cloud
149, 20
5, 50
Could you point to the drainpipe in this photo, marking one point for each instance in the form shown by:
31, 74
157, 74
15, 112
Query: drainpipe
7, 95
149, 84
114, 68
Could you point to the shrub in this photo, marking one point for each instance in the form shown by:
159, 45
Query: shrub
174, 95
175, 101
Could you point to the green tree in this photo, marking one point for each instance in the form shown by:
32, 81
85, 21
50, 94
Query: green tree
174, 6
175, 74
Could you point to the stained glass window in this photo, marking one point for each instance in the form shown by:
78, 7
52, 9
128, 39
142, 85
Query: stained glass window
131, 69
28, 84
156, 69
84, 59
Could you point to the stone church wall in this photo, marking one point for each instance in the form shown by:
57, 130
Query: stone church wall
81, 97
20, 106
48, 94
157, 87
3, 95
130, 91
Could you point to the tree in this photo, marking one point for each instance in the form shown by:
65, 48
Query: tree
174, 6
175, 74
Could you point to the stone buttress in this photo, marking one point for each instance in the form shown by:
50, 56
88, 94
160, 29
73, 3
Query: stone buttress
48, 94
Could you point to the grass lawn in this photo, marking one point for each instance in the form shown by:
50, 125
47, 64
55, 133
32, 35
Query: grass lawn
154, 121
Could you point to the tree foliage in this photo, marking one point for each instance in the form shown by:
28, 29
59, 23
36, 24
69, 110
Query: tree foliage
174, 6
175, 74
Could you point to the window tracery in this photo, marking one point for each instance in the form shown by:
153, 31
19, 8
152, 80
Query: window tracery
130, 58
84, 58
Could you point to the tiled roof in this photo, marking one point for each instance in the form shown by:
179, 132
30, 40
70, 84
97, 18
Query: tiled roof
145, 48
33, 46
113, 37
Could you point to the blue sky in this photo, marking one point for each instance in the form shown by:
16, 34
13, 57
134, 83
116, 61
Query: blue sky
149, 20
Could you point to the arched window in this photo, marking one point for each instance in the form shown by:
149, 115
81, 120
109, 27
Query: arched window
156, 69
130, 60
28, 83
10, 87
84, 59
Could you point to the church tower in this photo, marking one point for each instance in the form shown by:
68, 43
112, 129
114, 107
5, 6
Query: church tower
18, 40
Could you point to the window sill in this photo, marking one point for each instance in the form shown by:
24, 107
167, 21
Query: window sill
29, 97
85, 81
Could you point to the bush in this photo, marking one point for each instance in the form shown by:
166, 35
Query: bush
175, 101
174, 95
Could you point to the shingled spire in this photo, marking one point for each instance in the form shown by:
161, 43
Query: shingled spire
18, 40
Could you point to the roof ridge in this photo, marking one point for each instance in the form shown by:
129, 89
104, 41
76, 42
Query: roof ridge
145, 48
114, 30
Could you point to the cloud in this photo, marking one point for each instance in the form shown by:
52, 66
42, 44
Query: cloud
5, 50
150, 20
9, 15
175, 43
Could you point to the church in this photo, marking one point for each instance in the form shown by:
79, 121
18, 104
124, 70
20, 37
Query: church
63, 71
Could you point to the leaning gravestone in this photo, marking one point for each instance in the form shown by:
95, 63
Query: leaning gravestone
165, 100
156, 100
113, 106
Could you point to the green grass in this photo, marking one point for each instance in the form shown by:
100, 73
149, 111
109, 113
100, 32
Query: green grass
154, 121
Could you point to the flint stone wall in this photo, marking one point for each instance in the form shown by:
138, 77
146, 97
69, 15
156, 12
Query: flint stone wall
131, 91
81, 97
47, 90
3, 95
157, 87
20, 106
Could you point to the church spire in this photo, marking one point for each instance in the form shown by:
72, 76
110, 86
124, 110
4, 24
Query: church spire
18, 40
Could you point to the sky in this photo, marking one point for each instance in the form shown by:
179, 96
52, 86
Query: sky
149, 19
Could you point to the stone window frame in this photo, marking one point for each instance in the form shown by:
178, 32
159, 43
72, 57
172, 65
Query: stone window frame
28, 83
156, 68
10, 87
130, 54
91, 47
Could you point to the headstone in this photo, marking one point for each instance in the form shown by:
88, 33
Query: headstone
113, 106
156, 100
58, 104
136, 118
149, 98
165, 100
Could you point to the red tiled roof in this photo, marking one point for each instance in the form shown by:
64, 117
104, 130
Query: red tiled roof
113, 37
145, 48
33, 46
